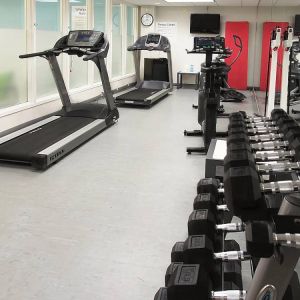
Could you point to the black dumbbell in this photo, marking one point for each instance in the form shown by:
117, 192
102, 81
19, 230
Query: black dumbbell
204, 221
275, 115
245, 158
243, 137
231, 269
260, 146
200, 249
283, 124
192, 282
262, 241
209, 201
212, 186
244, 191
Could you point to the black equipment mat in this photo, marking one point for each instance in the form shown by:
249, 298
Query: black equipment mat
138, 94
23, 147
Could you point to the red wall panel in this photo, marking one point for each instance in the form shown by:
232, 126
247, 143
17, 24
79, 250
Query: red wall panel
238, 76
267, 31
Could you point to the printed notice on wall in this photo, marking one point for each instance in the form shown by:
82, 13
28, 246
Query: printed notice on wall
168, 29
79, 17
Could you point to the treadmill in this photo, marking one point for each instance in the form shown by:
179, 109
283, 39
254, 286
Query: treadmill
146, 92
43, 142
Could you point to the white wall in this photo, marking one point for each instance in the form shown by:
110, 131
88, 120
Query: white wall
254, 16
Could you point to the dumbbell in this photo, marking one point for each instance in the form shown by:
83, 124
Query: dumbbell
192, 282
231, 270
245, 158
215, 188
209, 201
212, 186
204, 221
261, 240
282, 124
244, 191
267, 155
275, 115
200, 249
260, 146
243, 137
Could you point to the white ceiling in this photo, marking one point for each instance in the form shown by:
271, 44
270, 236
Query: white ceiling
221, 3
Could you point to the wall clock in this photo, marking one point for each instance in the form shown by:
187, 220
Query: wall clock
147, 19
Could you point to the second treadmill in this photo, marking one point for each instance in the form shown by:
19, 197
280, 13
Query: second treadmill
146, 92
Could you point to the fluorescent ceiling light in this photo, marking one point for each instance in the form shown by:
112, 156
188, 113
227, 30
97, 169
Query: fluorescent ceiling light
191, 1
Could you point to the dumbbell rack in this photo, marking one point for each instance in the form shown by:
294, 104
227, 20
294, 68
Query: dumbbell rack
249, 192
273, 274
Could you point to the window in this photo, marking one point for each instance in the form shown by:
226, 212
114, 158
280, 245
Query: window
35, 25
130, 38
116, 41
78, 20
99, 24
47, 33
13, 70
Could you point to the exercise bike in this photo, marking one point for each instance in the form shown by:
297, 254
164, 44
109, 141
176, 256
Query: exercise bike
209, 97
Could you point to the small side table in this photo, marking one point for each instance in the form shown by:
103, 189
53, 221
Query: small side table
180, 75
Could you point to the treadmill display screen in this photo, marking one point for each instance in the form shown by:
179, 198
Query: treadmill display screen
83, 37
153, 39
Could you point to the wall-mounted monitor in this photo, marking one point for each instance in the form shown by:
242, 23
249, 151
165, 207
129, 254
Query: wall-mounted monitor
297, 25
205, 23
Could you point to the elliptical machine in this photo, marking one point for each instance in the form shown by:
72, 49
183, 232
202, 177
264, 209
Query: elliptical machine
229, 94
209, 97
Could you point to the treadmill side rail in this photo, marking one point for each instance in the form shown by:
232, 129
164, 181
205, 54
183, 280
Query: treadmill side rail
26, 129
50, 155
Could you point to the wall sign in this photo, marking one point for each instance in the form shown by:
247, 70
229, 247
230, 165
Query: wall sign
168, 29
79, 18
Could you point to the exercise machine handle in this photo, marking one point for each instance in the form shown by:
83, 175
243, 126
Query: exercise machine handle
42, 53
238, 41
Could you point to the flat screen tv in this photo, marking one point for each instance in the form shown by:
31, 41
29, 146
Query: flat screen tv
205, 23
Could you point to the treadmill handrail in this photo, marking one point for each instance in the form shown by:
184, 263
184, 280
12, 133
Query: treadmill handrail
42, 53
90, 54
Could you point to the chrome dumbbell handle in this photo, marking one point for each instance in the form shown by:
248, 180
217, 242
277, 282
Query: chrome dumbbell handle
287, 239
271, 145
229, 295
260, 124
232, 256
263, 130
274, 155
266, 137
278, 167
283, 187
231, 227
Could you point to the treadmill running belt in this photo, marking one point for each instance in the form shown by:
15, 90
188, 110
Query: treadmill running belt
138, 95
22, 148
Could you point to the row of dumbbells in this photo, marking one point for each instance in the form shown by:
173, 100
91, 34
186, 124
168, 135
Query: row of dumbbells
205, 266
255, 170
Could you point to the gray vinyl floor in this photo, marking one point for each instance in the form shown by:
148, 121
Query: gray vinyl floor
100, 224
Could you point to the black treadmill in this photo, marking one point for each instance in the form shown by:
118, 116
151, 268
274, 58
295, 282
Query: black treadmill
146, 92
43, 142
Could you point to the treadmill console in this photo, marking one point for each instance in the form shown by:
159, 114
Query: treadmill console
153, 40
214, 44
85, 38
